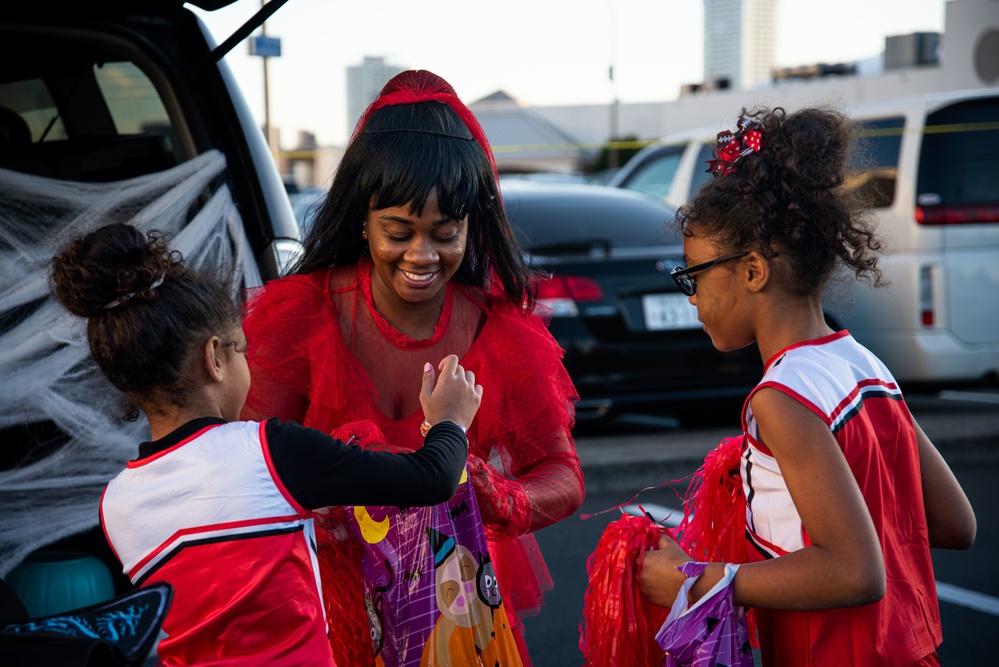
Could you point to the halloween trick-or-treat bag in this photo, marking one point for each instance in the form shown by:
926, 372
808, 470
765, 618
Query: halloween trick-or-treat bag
430, 590
709, 633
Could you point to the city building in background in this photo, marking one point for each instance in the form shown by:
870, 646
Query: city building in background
967, 58
309, 165
364, 82
562, 138
740, 42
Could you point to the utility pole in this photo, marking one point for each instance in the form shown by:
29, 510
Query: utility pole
612, 157
267, 47
267, 92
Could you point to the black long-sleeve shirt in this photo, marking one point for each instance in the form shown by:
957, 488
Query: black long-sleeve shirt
319, 470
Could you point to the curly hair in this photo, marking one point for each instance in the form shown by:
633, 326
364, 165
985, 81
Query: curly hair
788, 200
146, 312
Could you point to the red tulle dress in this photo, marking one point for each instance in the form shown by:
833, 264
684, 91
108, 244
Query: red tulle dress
320, 354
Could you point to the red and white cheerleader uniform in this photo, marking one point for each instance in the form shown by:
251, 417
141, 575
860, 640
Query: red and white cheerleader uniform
857, 397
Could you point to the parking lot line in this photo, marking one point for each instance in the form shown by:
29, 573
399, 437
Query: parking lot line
970, 599
664, 516
970, 396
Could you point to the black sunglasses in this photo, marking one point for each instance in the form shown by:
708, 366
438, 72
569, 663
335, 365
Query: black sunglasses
682, 277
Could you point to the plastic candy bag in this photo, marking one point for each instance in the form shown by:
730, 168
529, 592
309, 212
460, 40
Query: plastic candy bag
429, 586
430, 589
710, 633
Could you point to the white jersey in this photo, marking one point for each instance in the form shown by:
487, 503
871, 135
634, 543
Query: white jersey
858, 399
832, 376
210, 516
180, 491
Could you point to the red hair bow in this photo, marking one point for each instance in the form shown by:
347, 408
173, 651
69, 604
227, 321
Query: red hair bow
732, 146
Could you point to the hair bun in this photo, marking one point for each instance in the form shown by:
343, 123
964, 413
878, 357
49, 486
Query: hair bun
818, 141
108, 264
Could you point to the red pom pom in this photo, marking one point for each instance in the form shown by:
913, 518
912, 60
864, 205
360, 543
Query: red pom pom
619, 625
713, 528
714, 508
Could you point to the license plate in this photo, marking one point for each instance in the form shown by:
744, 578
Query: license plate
668, 311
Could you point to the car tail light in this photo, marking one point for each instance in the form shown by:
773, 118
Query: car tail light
561, 293
957, 214
576, 288
927, 315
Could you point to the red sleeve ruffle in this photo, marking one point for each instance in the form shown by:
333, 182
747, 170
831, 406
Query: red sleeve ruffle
530, 476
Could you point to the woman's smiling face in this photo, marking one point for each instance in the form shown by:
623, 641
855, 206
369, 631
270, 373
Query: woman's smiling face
414, 255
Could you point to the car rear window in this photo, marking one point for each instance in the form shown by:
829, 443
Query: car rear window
874, 164
959, 162
571, 223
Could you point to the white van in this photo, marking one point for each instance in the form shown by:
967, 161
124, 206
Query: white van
932, 177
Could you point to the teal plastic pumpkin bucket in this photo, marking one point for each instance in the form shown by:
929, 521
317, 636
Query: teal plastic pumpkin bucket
53, 582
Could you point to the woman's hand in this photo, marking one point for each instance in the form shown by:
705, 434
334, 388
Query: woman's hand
503, 503
454, 397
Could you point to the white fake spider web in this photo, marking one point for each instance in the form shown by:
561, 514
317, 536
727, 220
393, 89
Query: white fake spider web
47, 376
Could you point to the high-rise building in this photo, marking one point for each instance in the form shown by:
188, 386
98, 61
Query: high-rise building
364, 82
740, 42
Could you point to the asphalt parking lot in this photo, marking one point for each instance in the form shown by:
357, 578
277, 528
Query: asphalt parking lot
648, 449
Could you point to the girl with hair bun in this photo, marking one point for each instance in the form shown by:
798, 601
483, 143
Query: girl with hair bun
219, 508
844, 493
410, 255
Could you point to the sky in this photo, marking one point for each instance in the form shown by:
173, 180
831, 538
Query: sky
542, 52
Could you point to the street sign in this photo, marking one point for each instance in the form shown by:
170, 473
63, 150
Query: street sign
263, 45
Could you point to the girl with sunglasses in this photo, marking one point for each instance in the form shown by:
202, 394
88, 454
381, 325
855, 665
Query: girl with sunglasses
845, 495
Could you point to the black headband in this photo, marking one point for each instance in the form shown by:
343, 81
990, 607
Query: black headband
414, 131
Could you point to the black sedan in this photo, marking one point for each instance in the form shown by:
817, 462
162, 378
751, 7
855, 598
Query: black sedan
632, 340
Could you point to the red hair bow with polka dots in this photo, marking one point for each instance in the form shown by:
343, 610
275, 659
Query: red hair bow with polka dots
732, 146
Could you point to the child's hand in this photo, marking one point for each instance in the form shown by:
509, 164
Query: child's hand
455, 397
659, 580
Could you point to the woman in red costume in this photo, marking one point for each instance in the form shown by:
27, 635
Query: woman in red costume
411, 258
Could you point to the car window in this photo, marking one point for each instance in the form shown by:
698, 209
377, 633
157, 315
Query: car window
959, 162
89, 115
32, 101
701, 174
654, 176
576, 223
874, 164
132, 101
306, 204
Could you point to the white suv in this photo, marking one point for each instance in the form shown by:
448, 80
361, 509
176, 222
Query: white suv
931, 173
